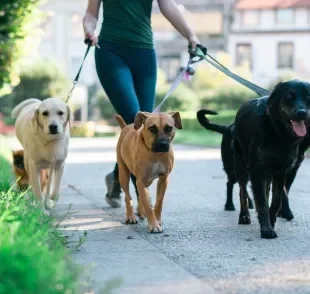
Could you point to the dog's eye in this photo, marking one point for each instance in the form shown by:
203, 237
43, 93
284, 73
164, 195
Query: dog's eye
45, 113
289, 96
60, 113
153, 129
168, 129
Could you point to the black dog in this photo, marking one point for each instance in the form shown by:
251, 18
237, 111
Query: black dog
228, 162
267, 137
226, 153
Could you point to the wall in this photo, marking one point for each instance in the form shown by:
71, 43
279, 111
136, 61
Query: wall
264, 53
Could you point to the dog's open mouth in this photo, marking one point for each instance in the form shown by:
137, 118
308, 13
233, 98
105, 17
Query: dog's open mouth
299, 128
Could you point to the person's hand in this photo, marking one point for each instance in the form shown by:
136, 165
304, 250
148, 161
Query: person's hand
91, 36
193, 42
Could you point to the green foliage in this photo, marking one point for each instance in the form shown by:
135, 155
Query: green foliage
33, 258
229, 97
16, 19
218, 91
106, 108
40, 80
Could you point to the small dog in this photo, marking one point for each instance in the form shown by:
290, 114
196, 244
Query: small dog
267, 137
144, 150
226, 154
42, 127
22, 179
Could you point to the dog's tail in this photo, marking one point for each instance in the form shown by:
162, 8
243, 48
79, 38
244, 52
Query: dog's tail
120, 121
207, 124
19, 107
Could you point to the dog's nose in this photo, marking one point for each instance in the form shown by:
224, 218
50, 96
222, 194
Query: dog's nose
161, 146
53, 129
302, 114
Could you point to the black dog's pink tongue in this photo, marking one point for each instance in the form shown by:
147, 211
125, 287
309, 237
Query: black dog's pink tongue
299, 128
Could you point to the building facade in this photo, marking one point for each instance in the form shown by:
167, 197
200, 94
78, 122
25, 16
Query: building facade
273, 37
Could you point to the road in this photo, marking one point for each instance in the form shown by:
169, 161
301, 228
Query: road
199, 236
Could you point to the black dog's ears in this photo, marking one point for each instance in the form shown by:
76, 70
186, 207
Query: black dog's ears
276, 92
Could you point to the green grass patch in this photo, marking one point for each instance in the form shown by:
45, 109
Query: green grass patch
194, 134
198, 137
33, 257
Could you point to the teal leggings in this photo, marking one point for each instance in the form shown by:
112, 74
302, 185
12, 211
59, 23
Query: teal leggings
128, 76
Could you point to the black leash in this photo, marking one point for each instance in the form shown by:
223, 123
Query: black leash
201, 53
88, 43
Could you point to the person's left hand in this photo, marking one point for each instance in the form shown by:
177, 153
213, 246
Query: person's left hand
193, 42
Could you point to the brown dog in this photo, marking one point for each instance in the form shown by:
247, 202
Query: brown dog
22, 178
144, 150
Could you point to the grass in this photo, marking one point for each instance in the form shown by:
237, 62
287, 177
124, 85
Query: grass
194, 134
33, 258
201, 137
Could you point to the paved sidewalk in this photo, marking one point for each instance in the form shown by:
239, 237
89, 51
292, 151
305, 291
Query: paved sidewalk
114, 253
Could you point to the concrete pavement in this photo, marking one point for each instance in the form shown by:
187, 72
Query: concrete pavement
202, 249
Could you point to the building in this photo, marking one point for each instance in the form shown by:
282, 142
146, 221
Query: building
273, 37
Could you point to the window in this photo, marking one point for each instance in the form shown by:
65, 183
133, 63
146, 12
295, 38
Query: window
250, 17
243, 54
285, 55
285, 16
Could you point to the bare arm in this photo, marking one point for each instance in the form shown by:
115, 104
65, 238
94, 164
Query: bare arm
90, 20
174, 15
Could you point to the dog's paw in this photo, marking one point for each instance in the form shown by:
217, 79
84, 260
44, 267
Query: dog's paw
50, 204
244, 220
268, 233
155, 228
131, 220
287, 214
230, 207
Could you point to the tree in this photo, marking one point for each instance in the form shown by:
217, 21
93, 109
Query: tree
16, 18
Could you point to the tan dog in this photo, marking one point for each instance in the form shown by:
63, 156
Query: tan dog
144, 150
42, 127
22, 179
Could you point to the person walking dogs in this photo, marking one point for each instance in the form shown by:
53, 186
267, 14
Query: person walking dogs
126, 60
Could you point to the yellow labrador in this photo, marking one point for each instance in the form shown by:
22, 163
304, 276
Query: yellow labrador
42, 127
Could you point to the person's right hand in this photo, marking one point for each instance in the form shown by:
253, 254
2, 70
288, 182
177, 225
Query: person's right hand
91, 36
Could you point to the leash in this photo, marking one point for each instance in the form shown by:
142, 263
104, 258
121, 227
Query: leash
199, 54
88, 42
185, 73
202, 53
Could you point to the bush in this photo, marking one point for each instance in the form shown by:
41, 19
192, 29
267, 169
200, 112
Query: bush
181, 99
229, 97
33, 258
16, 18
40, 80
106, 108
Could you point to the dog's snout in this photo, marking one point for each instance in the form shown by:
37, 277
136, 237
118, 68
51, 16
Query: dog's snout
302, 114
53, 129
161, 146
